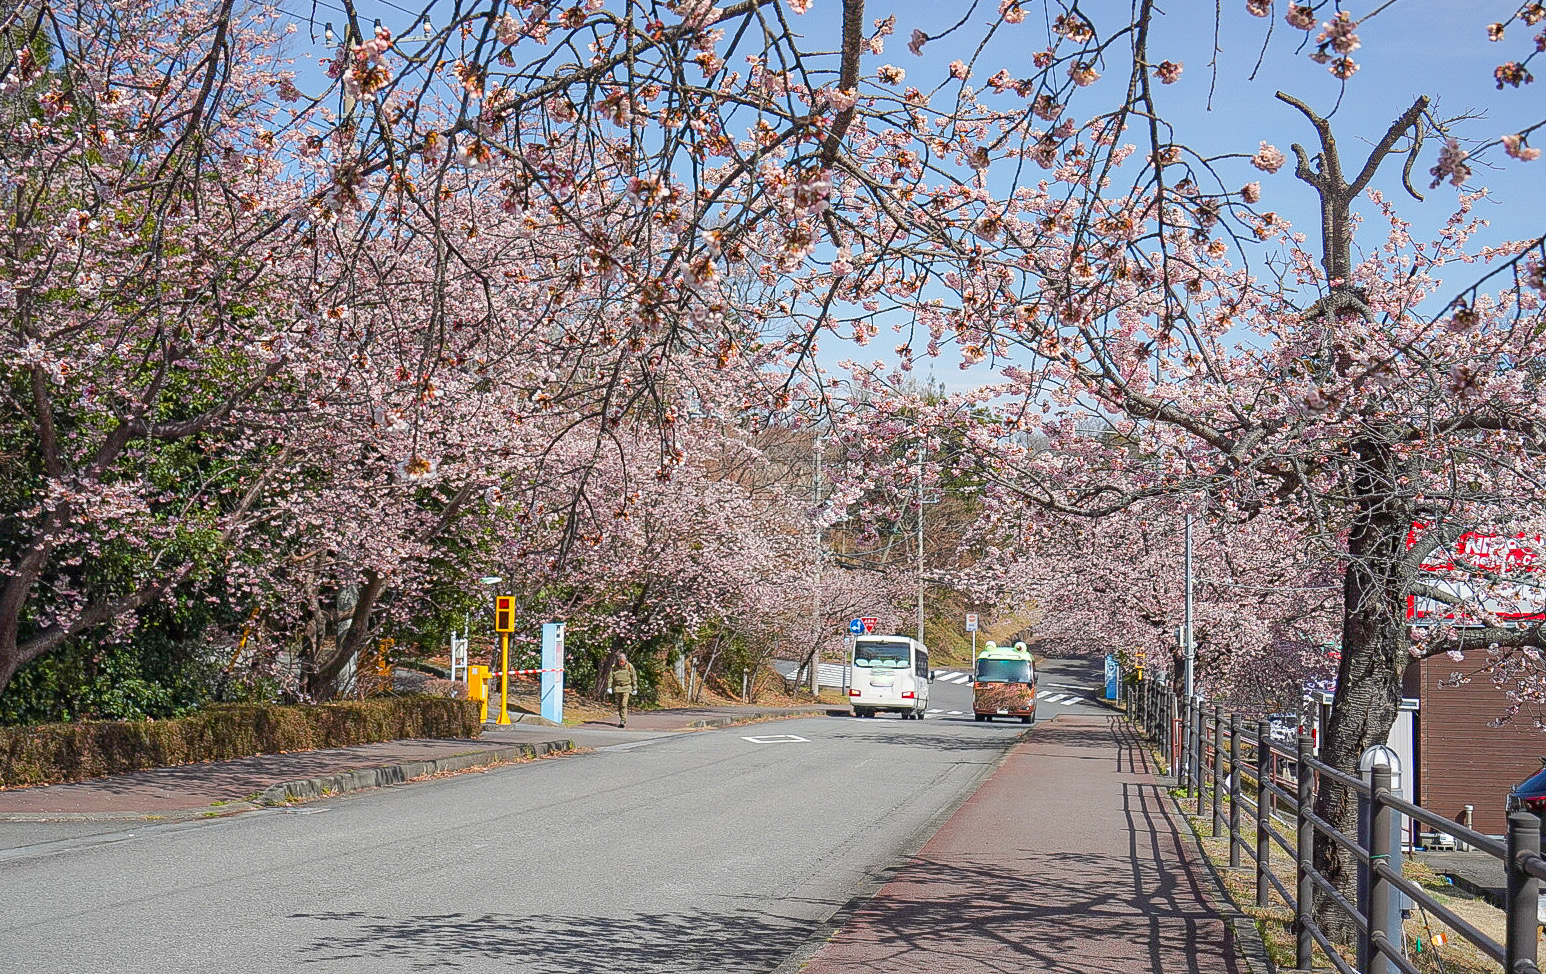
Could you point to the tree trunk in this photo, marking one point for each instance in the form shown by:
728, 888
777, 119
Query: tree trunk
1368, 693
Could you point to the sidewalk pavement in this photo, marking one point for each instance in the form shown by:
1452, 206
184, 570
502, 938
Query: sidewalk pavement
1070, 859
217, 788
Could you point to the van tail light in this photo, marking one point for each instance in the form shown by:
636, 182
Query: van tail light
1536, 805
908, 695
978, 686
853, 692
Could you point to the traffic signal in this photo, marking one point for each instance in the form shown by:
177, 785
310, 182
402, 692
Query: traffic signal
504, 613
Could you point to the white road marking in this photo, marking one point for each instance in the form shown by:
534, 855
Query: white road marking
631, 744
778, 739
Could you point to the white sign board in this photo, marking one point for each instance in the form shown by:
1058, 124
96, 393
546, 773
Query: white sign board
971, 622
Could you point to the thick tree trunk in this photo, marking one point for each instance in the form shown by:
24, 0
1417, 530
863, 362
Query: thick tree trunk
321, 679
1368, 694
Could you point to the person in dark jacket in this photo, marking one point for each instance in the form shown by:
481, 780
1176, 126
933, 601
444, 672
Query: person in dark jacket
624, 684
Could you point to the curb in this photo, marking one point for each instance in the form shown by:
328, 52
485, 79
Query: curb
393, 774
757, 715
869, 887
306, 789
1489, 894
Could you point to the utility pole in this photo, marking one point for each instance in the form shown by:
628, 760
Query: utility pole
1189, 646
816, 633
921, 443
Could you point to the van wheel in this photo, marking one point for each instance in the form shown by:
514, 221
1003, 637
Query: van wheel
1027, 720
979, 718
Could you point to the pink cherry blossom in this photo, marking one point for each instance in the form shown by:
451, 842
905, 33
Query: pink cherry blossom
1268, 158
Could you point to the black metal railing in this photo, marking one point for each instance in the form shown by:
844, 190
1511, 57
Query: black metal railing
1233, 768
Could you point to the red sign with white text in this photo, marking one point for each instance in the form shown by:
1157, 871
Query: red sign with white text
1500, 573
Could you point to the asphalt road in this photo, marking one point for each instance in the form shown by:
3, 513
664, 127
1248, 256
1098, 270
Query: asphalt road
716, 851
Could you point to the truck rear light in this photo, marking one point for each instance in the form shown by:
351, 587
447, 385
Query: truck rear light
908, 695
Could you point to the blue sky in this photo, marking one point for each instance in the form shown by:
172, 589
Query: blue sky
1434, 47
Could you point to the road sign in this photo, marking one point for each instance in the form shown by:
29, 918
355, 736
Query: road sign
869, 623
856, 626
504, 613
971, 622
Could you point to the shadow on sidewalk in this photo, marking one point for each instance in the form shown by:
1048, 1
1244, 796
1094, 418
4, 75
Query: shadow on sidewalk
1018, 890
696, 941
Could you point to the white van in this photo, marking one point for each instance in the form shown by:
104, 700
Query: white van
889, 673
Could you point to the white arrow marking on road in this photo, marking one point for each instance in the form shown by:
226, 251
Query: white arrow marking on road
778, 739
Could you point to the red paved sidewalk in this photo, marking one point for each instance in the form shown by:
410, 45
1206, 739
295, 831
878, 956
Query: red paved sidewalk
1070, 859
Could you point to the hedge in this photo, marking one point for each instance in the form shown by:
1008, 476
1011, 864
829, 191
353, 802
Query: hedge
48, 753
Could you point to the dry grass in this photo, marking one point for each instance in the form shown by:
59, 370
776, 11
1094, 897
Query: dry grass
1431, 946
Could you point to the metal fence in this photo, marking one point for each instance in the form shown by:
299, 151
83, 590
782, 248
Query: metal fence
1256, 791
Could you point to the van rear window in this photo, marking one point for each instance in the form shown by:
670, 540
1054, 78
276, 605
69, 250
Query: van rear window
1003, 671
887, 655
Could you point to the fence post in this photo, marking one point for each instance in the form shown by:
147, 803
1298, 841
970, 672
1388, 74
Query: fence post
1263, 839
1170, 733
1185, 754
1235, 842
1304, 896
1200, 750
1523, 897
1218, 769
1384, 925
1202, 760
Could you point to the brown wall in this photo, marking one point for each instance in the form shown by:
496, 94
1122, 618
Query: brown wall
1462, 760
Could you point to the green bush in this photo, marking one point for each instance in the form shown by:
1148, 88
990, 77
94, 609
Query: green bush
48, 753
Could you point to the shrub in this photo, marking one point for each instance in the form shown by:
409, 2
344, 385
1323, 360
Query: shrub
48, 753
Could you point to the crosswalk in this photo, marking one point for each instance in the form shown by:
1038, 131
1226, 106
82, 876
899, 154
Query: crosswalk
829, 674
832, 675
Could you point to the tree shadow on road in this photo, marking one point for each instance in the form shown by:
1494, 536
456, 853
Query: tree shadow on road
685, 942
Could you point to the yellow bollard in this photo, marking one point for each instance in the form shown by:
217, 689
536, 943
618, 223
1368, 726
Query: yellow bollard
477, 689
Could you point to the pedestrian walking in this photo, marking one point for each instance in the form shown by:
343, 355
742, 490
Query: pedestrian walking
625, 683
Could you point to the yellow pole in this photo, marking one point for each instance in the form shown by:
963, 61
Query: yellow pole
504, 678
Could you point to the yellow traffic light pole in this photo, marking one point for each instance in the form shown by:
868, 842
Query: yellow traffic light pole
504, 624
504, 678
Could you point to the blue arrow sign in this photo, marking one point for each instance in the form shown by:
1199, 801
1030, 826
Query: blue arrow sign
856, 626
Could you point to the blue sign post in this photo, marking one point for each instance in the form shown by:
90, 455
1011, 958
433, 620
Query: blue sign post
1111, 677
856, 626
553, 672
